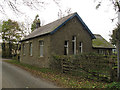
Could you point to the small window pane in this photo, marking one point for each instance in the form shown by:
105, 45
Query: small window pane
73, 38
23, 49
66, 48
41, 44
80, 47
74, 44
30, 48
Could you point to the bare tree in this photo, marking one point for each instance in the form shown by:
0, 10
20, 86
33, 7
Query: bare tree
14, 5
62, 13
115, 3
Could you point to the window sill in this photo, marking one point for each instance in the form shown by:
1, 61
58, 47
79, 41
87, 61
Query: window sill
41, 56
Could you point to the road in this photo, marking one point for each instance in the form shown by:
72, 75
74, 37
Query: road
15, 77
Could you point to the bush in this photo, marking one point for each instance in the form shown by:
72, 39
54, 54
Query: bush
56, 62
114, 85
91, 65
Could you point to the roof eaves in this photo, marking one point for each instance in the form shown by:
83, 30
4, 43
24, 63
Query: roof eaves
62, 24
104, 47
34, 37
93, 37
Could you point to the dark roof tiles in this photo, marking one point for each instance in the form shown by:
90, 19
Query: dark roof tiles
54, 26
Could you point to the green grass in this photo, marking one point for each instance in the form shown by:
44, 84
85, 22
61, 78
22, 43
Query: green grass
62, 80
114, 85
44, 70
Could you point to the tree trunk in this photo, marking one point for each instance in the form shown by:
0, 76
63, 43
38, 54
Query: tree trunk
3, 50
10, 50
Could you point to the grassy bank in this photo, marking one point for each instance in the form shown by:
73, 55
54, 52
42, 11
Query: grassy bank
60, 79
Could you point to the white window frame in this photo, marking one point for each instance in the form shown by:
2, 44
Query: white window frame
74, 48
23, 49
30, 48
81, 47
41, 48
66, 47
101, 51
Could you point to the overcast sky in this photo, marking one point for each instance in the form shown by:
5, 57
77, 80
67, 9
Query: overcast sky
98, 21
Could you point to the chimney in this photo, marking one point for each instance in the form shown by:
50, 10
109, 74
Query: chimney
38, 23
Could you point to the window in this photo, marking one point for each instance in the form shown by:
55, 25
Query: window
81, 47
66, 48
74, 44
30, 49
41, 45
23, 49
101, 51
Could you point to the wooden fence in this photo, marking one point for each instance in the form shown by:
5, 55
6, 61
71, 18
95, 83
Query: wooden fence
89, 66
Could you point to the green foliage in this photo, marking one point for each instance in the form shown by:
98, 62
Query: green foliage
88, 65
113, 85
115, 35
44, 70
33, 26
11, 35
11, 31
56, 62
64, 80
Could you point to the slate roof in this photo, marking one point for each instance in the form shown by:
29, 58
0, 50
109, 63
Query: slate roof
54, 26
100, 42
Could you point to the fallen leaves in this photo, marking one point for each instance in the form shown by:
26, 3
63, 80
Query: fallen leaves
60, 79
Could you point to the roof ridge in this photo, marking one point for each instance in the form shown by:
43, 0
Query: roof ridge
52, 27
57, 20
101, 42
61, 18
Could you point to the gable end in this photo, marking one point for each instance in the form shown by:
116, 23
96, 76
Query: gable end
75, 15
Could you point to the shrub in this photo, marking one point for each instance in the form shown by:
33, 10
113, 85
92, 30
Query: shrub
91, 65
114, 85
56, 62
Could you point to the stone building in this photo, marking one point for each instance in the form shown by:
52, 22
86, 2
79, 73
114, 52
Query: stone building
102, 46
66, 36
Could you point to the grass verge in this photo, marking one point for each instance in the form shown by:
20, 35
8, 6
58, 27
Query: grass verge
60, 79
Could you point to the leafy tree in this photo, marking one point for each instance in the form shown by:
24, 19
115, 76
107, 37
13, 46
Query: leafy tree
36, 20
11, 35
11, 31
115, 35
25, 28
113, 38
116, 32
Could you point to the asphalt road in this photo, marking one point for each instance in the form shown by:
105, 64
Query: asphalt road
15, 77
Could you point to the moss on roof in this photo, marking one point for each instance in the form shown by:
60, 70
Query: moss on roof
100, 42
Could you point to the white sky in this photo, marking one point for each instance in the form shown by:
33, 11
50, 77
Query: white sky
98, 21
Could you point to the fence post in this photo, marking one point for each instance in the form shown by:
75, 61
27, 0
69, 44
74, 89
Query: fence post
111, 69
62, 65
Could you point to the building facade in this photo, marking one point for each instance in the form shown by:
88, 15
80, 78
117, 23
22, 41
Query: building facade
66, 36
102, 46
